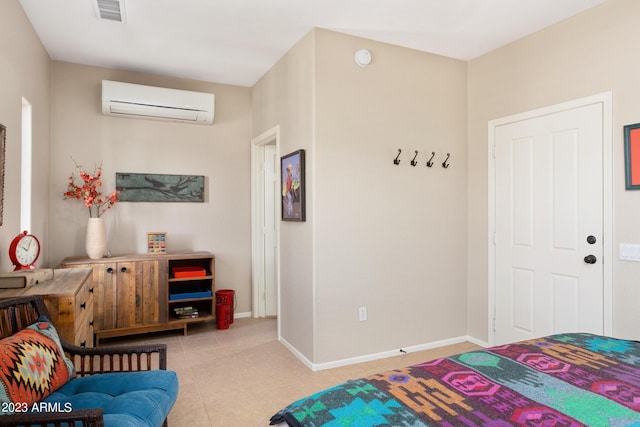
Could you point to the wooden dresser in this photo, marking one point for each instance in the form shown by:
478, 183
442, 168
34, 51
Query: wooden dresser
69, 299
138, 293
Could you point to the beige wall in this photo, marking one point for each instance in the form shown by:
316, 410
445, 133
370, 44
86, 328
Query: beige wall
24, 72
387, 237
219, 152
284, 97
585, 55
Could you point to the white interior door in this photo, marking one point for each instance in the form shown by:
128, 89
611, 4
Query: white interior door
271, 193
549, 225
265, 214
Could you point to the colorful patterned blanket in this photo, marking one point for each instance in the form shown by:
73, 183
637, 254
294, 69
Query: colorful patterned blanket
560, 380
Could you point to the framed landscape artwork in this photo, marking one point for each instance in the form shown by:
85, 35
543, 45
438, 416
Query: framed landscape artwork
147, 187
293, 186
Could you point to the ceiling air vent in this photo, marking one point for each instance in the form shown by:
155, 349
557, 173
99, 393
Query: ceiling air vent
112, 10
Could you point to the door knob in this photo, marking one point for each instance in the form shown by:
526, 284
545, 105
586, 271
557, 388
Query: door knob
590, 259
591, 240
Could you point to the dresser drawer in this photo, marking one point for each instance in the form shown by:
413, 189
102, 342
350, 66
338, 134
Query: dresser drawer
84, 334
84, 325
84, 300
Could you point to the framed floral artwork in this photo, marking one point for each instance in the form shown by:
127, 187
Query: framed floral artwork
293, 186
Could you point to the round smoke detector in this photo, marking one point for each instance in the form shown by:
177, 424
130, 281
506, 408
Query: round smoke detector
363, 57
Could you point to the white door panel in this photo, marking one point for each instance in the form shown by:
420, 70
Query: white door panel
270, 239
265, 206
548, 199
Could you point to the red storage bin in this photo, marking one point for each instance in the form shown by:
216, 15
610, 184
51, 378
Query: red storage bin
222, 315
228, 297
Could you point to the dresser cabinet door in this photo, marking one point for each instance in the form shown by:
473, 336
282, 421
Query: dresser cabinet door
104, 308
138, 302
125, 294
150, 303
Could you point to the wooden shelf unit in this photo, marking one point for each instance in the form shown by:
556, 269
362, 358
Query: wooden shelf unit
132, 292
197, 284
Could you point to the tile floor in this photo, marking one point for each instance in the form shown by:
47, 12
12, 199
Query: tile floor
242, 375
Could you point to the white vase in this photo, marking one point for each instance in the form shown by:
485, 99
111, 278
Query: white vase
96, 242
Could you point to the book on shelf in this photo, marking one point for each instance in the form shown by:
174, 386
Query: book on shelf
188, 316
185, 311
24, 278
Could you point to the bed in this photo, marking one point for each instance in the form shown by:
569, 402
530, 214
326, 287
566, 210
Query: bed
559, 380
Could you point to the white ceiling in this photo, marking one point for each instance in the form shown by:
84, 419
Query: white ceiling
237, 41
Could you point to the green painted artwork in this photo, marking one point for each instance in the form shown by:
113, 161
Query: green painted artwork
145, 187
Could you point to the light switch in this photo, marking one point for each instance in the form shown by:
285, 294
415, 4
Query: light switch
630, 252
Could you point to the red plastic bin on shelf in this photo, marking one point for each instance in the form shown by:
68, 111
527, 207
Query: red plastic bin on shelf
191, 271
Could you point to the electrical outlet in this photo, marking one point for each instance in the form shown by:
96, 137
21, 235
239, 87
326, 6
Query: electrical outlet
362, 313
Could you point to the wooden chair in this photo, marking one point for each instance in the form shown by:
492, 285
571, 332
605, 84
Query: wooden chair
18, 313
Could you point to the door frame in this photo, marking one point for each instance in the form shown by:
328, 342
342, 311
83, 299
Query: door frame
605, 99
271, 136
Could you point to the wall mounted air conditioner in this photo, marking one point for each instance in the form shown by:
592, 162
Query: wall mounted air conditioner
150, 102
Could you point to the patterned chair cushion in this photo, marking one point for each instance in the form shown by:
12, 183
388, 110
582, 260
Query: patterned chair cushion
32, 364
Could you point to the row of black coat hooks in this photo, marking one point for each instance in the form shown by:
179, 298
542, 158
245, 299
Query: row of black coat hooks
413, 161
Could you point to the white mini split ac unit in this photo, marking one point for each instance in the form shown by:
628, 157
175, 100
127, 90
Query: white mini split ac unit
150, 102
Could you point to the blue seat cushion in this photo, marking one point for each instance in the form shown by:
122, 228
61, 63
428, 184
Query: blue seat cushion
128, 399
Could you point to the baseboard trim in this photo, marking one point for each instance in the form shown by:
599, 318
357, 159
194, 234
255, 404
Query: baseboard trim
476, 341
241, 315
296, 353
381, 355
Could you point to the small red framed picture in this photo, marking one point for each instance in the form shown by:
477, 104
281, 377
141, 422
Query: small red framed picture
632, 156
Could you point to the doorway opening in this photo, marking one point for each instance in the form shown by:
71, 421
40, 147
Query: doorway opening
265, 206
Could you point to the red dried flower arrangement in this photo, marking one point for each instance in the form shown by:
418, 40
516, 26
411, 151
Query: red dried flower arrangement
90, 193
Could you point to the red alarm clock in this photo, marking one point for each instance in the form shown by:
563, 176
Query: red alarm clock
24, 250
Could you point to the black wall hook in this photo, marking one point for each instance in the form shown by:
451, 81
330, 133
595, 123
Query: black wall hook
396, 161
445, 164
429, 162
413, 162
